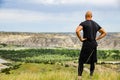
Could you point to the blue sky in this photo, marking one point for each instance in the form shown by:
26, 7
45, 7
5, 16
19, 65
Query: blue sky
57, 15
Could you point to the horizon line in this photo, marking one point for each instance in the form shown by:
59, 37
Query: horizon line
42, 32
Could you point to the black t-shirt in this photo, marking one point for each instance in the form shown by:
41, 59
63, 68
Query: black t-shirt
90, 29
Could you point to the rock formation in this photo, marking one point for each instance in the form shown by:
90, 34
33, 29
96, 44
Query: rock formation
55, 40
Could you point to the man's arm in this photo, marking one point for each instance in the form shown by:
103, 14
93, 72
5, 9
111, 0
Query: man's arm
79, 28
102, 34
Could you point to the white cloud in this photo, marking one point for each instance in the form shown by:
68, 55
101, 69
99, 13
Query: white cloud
20, 15
89, 2
15, 15
65, 19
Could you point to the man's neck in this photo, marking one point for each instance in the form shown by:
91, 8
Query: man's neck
88, 18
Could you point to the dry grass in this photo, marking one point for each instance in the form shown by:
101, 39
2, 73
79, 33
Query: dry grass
33, 71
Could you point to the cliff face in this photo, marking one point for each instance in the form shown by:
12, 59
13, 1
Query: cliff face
54, 40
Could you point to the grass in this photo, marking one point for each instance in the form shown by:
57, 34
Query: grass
33, 71
48, 64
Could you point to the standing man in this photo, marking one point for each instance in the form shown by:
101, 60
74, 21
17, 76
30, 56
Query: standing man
89, 46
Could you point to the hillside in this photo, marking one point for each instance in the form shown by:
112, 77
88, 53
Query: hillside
54, 40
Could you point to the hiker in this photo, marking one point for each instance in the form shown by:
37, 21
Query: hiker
88, 54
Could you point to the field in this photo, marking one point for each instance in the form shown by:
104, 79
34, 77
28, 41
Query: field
56, 64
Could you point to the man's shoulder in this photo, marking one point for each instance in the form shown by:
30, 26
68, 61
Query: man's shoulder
94, 21
84, 22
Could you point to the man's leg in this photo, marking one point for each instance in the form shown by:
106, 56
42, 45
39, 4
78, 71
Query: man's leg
80, 70
92, 67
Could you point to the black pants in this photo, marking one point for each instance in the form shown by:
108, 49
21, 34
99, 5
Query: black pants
81, 66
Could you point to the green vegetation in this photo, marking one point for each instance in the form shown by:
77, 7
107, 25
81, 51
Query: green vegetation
50, 64
12, 66
33, 71
53, 55
40, 55
108, 54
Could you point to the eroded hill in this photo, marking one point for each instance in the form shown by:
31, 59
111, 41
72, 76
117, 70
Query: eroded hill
55, 40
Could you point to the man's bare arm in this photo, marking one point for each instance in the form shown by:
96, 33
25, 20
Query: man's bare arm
102, 34
79, 28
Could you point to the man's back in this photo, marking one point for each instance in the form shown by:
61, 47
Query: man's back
90, 29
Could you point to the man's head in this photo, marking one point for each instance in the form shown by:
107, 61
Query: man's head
88, 15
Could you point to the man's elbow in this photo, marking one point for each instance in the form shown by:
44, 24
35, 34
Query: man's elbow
105, 33
77, 31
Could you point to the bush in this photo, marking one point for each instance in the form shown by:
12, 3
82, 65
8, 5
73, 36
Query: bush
52, 56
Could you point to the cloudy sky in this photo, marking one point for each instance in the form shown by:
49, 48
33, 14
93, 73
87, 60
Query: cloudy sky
57, 15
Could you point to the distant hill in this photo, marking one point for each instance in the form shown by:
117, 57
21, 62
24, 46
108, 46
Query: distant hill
55, 40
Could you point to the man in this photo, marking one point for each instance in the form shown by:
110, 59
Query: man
89, 46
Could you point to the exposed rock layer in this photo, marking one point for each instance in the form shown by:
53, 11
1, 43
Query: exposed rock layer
54, 40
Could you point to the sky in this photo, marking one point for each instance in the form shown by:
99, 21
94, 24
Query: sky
57, 15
